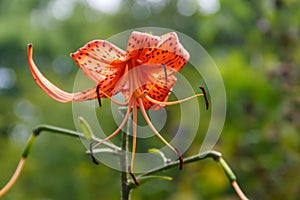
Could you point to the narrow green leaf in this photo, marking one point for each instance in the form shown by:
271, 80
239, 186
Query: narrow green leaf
85, 128
161, 154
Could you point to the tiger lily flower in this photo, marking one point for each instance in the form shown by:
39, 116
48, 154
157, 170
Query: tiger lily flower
144, 74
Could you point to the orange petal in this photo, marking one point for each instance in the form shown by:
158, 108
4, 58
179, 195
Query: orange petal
102, 62
170, 52
140, 45
159, 91
99, 59
52, 90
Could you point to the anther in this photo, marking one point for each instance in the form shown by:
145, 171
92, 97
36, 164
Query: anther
165, 71
137, 183
92, 155
145, 93
205, 97
98, 95
181, 162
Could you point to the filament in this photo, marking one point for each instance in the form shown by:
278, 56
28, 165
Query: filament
113, 100
168, 103
153, 128
118, 129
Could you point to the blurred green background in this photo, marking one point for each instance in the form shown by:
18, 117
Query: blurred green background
255, 44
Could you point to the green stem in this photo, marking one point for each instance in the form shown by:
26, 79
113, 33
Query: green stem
125, 193
229, 173
126, 189
216, 156
27, 149
68, 132
36, 132
211, 154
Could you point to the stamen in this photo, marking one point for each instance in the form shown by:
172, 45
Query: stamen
180, 159
98, 95
133, 176
115, 101
118, 129
134, 123
165, 71
92, 155
143, 94
109, 97
169, 103
205, 97
152, 127
156, 79
130, 167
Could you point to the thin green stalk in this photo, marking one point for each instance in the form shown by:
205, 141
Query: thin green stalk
216, 156
36, 132
211, 154
68, 132
125, 188
125, 193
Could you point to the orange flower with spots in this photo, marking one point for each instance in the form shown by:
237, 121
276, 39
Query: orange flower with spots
144, 74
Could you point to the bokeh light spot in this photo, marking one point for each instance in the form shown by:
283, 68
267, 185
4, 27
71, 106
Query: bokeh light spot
186, 7
105, 6
7, 78
208, 7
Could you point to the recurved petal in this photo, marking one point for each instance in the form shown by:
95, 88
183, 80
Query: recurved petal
169, 52
140, 45
99, 60
51, 89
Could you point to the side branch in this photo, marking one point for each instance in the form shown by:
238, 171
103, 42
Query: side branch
216, 156
68, 132
36, 132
